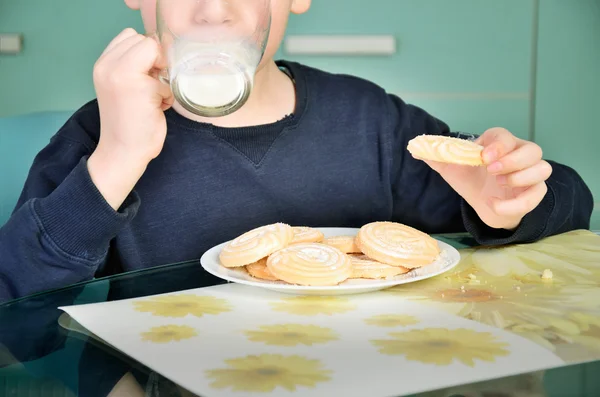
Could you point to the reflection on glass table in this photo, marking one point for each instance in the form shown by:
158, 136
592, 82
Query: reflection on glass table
44, 352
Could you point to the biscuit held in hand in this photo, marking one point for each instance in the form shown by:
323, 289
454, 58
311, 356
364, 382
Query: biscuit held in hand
397, 245
310, 264
446, 149
256, 244
511, 183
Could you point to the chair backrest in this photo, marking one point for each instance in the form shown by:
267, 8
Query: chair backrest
21, 138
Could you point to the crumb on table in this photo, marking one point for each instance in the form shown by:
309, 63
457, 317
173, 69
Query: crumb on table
547, 274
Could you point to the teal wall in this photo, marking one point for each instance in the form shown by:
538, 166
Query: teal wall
457, 59
568, 86
62, 40
528, 65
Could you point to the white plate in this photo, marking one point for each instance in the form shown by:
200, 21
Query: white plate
448, 259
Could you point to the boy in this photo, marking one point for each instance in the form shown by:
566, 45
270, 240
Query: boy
113, 191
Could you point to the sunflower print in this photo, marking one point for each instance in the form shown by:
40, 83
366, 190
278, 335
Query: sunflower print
503, 287
169, 333
266, 372
291, 335
441, 346
182, 305
392, 320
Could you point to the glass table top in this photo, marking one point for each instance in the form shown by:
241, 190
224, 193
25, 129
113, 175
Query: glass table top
44, 352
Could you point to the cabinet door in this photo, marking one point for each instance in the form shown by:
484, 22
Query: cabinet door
568, 87
467, 62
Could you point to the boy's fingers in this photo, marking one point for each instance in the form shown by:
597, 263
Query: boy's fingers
523, 157
143, 56
164, 95
161, 61
539, 172
108, 64
123, 47
164, 91
522, 204
437, 166
497, 142
125, 34
167, 103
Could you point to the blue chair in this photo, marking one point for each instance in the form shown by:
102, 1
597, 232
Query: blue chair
21, 138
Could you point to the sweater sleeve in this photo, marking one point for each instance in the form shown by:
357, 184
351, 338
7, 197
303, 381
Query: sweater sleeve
61, 228
567, 206
422, 197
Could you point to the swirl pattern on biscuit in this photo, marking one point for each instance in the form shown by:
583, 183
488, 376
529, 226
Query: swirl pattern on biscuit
310, 264
305, 234
397, 245
446, 149
256, 244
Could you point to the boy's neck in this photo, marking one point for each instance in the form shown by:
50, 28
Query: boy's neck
272, 98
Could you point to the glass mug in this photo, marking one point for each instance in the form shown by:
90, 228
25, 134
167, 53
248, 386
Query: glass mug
213, 48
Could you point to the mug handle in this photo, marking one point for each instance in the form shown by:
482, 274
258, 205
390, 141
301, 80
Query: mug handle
164, 77
161, 74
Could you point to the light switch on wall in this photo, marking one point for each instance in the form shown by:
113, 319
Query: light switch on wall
10, 43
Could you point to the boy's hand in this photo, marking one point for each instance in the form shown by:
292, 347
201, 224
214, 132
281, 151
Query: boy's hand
131, 102
130, 98
511, 184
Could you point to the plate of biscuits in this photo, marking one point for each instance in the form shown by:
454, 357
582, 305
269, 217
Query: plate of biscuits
304, 260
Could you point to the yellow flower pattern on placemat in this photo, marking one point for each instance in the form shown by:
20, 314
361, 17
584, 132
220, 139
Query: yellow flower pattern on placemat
169, 333
182, 305
392, 320
267, 372
291, 335
441, 346
313, 305
503, 287
571, 257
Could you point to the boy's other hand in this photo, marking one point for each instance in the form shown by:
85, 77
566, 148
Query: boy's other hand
132, 103
510, 185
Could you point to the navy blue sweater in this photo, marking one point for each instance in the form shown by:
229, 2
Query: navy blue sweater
339, 160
